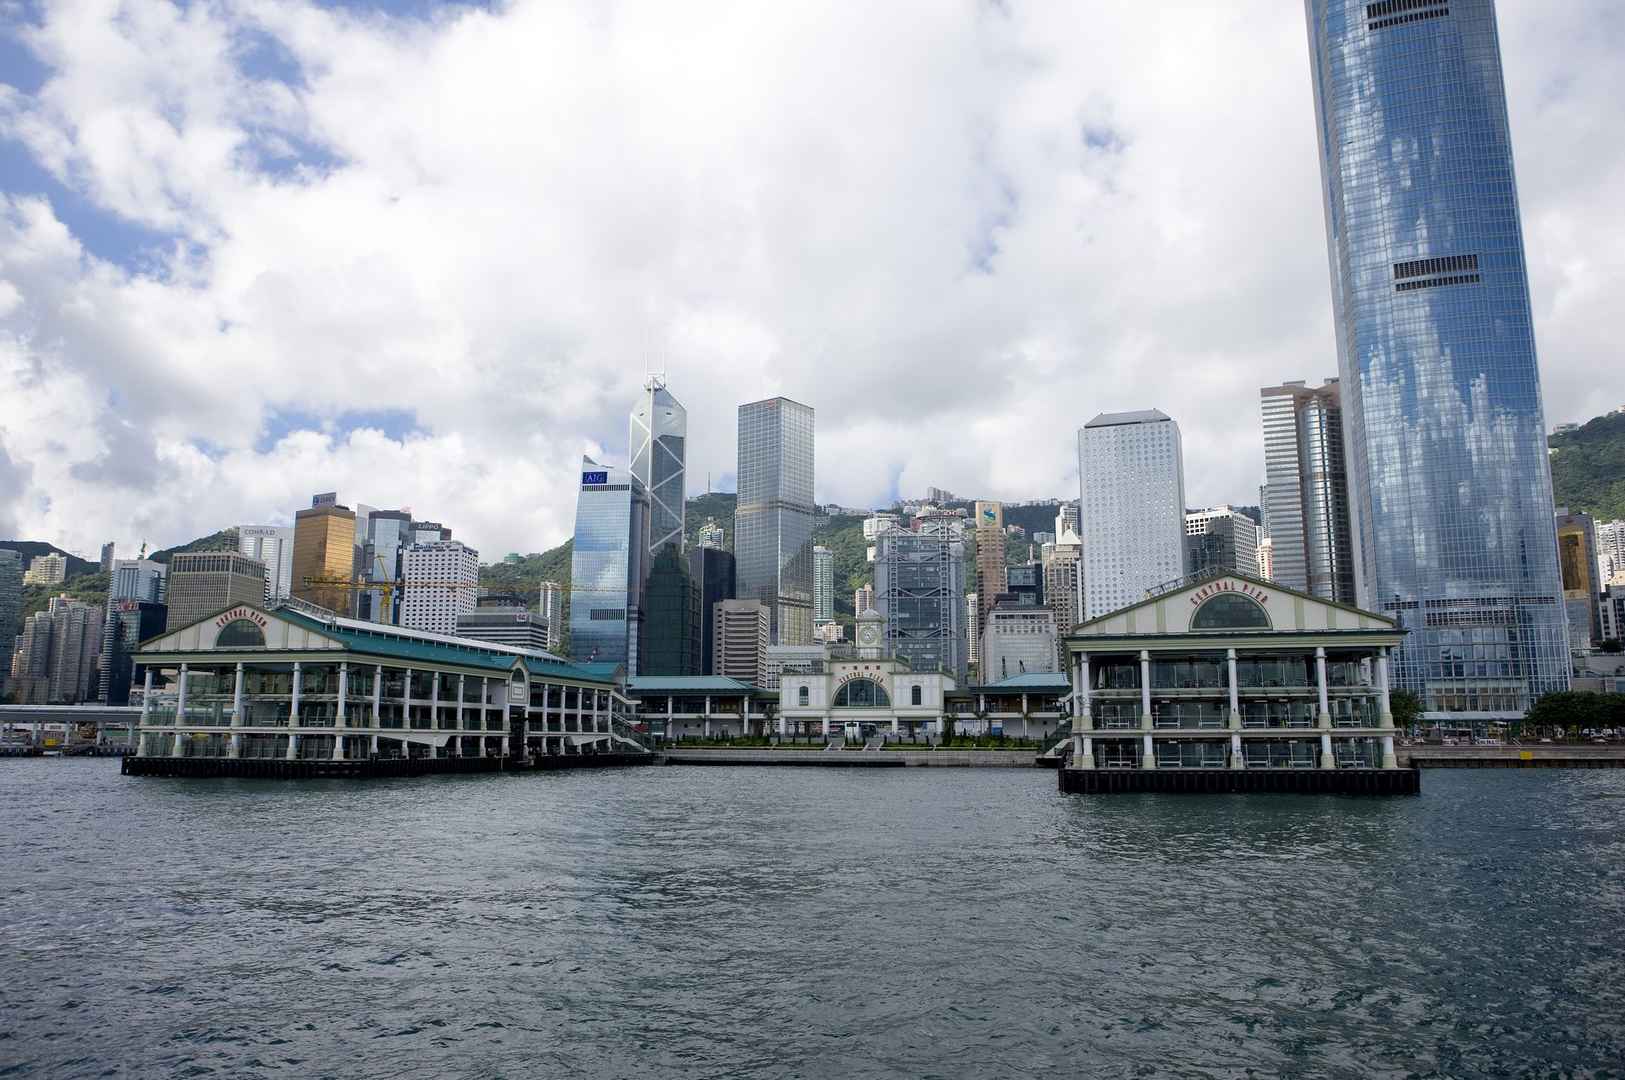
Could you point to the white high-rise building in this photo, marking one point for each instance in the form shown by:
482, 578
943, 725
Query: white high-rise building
1132, 502
1066, 520
863, 599
550, 606
823, 585
1062, 561
1611, 553
973, 640
48, 569
713, 535
273, 546
452, 571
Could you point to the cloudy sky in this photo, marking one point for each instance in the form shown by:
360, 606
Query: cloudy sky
424, 253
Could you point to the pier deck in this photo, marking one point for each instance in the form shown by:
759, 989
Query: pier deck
1241, 781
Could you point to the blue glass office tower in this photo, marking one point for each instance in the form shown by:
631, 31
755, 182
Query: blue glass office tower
608, 565
1451, 496
773, 519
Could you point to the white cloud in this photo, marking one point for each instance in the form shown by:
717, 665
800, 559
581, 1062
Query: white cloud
958, 231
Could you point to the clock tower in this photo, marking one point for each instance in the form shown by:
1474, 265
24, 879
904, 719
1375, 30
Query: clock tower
871, 634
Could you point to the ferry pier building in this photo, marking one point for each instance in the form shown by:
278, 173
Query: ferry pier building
1222, 673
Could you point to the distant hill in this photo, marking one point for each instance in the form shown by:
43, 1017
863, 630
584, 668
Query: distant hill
31, 549
224, 540
1588, 467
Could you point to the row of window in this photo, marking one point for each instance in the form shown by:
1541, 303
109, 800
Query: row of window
1394, 7
1444, 264
1400, 20
1460, 279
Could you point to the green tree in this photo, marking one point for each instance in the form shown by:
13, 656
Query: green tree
1574, 711
1611, 646
1406, 707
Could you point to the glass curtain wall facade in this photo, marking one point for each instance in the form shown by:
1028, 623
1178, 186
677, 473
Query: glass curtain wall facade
1306, 494
713, 572
1451, 492
607, 566
773, 521
388, 535
658, 438
672, 634
920, 589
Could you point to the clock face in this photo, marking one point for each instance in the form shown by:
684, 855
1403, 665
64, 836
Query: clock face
868, 635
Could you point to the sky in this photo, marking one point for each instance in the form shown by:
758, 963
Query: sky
424, 254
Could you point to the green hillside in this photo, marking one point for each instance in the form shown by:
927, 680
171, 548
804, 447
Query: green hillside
1588, 468
224, 540
31, 549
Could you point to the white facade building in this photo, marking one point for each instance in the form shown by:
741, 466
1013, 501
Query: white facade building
273, 546
1019, 640
879, 522
1611, 552
451, 572
782, 659
550, 606
1132, 481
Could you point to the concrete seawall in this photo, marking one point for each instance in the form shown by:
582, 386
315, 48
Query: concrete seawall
1541, 756
857, 759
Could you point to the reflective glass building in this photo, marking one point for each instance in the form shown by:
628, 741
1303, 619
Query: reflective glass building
658, 437
773, 520
607, 566
1306, 500
1450, 495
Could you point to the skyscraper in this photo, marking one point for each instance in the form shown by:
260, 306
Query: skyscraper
323, 555
1132, 478
550, 606
739, 639
441, 577
1305, 494
823, 585
1221, 538
1582, 591
863, 598
273, 546
386, 536
11, 609
137, 579
608, 566
204, 583
920, 589
56, 654
1451, 495
659, 436
107, 557
990, 558
1061, 580
672, 635
773, 519
713, 572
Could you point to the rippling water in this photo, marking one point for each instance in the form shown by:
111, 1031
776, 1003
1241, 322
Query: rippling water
799, 922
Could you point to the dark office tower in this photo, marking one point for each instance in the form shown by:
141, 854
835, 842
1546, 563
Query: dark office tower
773, 520
672, 635
1026, 584
1451, 495
713, 572
11, 609
129, 623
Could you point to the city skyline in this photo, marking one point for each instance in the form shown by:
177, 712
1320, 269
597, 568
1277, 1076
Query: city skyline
456, 401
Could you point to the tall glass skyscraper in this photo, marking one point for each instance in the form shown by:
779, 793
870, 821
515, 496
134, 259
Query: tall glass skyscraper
1451, 494
773, 521
659, 434
608, 565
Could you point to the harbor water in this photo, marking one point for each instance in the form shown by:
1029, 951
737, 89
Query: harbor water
756, 922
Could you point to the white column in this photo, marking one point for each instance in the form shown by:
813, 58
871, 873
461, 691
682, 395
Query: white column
237, 699
1086, 756
826, 726
434, 701
1320, 682
1235, 689
1389, 760
406, 707
1086, 693
1149, 761
1145, 692
146, 713
707, 727
1024, 731
293, 707
1326, 759
377, 700
1237, 761
462, 682
1385, 712
375, 743
338, 719
744, 705
180, 714
894, 724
